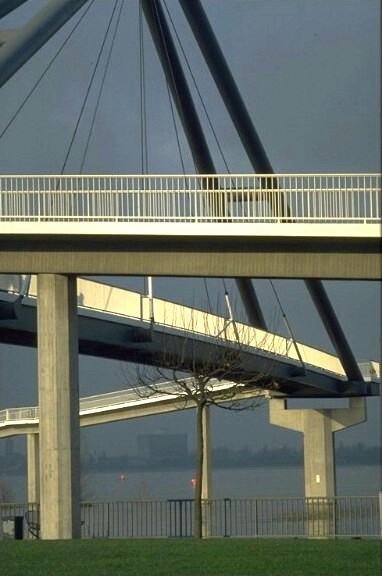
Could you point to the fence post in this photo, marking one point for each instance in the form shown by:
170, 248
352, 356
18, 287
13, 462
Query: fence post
256, 520
380, 514
227, 531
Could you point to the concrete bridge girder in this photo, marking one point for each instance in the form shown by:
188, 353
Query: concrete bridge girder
242, 257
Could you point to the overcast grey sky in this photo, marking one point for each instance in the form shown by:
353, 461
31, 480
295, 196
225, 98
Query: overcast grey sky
309, 74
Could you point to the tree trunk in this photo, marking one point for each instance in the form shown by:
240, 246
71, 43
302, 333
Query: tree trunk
199, 471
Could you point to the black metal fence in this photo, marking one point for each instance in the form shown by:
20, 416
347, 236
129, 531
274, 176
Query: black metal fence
259, 517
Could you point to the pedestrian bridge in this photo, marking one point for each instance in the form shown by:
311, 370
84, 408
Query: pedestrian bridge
125, 404
321, 226
126, 325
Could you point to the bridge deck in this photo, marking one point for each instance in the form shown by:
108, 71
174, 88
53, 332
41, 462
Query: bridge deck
254, 226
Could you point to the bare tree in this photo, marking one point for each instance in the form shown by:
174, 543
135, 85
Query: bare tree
212, 363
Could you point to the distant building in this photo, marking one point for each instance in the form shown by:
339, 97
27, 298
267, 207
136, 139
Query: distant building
162, 447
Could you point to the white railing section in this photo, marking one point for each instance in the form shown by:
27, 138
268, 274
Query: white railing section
27, 414
297, 198
124, 398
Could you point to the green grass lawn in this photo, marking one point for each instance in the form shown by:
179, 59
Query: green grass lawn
220, 557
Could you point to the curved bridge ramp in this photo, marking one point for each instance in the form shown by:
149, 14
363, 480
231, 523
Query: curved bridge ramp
123, 405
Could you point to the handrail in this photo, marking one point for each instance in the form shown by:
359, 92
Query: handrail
225, 198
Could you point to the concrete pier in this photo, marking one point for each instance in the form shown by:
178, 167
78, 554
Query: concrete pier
59, 407
33, 462
318, 427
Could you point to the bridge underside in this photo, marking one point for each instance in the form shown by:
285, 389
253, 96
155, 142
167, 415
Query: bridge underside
251, 257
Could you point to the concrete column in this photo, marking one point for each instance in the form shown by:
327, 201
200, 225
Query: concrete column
318, 427
59, 406
319, 469
33, 459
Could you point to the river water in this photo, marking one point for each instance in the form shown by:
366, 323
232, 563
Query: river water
226, 483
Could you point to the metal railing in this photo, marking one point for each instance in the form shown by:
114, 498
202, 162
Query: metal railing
297, 198
17, 414
342, 517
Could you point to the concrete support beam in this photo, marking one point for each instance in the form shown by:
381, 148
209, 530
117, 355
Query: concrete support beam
87, 256
354, 414
318, 427
33, 460
59, 407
